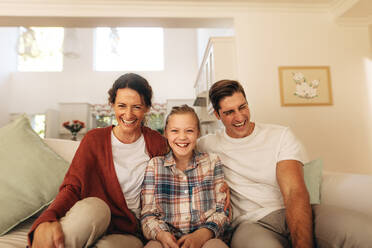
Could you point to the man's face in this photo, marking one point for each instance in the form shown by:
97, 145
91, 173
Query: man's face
234, 114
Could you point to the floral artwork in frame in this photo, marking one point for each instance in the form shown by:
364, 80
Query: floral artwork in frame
305, 85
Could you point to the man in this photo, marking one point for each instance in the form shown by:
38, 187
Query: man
263, 167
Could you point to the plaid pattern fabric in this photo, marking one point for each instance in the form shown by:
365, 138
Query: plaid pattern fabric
181, 202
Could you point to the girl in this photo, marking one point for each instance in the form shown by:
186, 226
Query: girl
181, 200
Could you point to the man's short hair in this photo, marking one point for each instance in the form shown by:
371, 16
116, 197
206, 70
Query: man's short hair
222, 89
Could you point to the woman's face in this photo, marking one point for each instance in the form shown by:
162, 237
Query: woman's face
182, 132
130, 111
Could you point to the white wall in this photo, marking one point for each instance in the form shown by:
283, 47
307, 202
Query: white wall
340, 133
203, 35
7, 65
35, 92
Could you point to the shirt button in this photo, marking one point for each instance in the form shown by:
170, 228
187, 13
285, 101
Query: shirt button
187, 218
186, 191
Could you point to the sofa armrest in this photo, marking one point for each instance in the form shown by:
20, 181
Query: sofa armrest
347, 190
65, 148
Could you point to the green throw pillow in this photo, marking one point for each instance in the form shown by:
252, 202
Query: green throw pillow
313, 179
30, 173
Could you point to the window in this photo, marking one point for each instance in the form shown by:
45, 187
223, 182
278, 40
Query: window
40, 49
103, 115
129, 49
38, 124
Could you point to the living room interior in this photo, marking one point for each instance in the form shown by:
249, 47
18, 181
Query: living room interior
252, 41
267, 35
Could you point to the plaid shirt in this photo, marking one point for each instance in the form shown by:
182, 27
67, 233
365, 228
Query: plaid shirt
181, 202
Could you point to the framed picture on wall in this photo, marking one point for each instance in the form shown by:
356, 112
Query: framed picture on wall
305, 85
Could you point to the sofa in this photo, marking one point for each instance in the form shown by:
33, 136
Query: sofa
351, 191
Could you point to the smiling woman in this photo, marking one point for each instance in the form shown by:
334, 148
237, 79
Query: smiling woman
101, 190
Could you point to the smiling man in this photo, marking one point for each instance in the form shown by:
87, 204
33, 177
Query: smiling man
263, 167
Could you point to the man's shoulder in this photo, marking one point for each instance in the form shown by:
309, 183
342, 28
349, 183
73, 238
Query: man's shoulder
271, 127
207, 143
208, 138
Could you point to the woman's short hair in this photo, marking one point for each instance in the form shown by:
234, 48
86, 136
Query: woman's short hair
135, 82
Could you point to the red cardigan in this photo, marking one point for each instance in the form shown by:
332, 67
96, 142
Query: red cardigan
92, 173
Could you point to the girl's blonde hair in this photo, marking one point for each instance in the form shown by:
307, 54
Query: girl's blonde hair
183, 109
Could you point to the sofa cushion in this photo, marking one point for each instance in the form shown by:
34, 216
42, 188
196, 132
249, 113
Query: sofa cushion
30, 173
313, 179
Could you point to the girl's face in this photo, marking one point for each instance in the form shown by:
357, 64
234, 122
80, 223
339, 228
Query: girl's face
182, 132
129, 111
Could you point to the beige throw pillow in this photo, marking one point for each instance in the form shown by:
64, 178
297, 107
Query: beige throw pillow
30, 173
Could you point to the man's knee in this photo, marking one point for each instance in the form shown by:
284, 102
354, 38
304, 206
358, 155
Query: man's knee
119, 241
252, 235
337, 227
215, 243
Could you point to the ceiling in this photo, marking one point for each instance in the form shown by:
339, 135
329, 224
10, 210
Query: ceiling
350, 8
91, 12
254, 1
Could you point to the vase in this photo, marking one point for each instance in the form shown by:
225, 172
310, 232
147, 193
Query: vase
73, 136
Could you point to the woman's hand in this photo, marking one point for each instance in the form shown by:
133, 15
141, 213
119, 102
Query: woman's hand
48, 235
196, 239
225, 189
167, 239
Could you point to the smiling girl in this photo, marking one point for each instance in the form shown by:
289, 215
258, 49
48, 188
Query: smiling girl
182, 205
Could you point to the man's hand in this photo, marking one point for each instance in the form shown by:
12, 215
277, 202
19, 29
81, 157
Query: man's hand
196, 239
225, 189
167, 239
49, 235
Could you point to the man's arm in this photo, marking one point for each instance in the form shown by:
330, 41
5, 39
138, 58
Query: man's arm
290, 178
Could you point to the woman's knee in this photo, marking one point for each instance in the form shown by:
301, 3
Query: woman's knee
91, 210
86, 221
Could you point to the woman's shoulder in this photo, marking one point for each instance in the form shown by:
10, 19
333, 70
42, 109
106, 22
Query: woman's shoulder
155, 142
97, 135
151, 133
99, 131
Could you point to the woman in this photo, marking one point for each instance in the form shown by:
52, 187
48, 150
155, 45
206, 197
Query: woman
99, 199
182, 202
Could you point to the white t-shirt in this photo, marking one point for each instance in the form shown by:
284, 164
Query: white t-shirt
130, 162
250, 167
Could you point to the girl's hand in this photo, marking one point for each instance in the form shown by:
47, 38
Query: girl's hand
167, 239
195, 239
